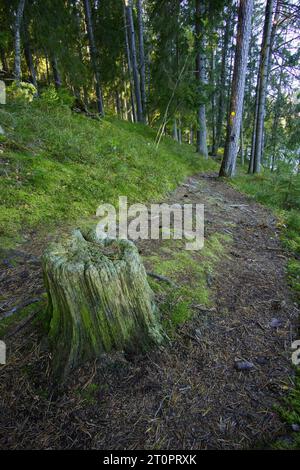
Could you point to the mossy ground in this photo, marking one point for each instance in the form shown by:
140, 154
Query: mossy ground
7, 324
190, 272
58, 166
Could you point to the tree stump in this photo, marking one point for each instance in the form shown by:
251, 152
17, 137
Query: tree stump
99, 300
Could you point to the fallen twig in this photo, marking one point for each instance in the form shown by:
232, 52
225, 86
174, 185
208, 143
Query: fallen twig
22, 324
19, 307
162, 278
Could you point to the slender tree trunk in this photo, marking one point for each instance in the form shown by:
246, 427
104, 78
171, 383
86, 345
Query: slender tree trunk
276, 120
93, 54
179, 132
56, 74
230, 74
3, 59
262, 85
28, 55
242, 154
142, 55
47, 67
238, 88
132, 44
213, 101
77, 15
118, 104
251, 162
129, 68
222, 83
175, 130
200, 75
18, 21
191, 136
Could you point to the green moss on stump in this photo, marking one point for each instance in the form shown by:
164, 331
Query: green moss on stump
99, 300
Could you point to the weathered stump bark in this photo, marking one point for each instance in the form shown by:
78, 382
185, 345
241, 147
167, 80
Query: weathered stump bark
98, 300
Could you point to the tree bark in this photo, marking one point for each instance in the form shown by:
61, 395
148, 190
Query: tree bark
99, 300
93, 55
222, 83
118, 104
3, 59
276, 121
238, 88
201, 76
175, 130
242, 150
77, 14
213, 101
28, 55
142, 56
132, 44
56, 74
18, 22
262, 86
133, 111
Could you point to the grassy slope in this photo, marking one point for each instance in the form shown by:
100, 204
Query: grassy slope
281, 192
59, 166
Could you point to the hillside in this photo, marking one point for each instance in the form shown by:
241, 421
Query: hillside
57, 165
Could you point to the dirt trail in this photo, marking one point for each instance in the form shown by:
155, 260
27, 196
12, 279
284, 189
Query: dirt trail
189, 395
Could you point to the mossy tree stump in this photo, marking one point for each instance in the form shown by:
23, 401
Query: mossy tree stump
99, 300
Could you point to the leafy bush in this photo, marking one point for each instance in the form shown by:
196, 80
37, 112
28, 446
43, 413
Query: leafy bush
22, 92
51, 97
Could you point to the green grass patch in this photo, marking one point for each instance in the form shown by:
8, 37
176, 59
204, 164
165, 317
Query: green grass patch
7, 324
89, 393
190, 271
58, 166
290, 413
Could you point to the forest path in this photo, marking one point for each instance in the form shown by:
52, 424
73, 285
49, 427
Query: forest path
191, 394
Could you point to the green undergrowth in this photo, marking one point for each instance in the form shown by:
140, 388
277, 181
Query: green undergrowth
58, 166
281, 192
190, 273
290, 413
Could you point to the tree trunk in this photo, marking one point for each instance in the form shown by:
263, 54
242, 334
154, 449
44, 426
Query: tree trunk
77, 14
142, 55
179, 133
242, 154
118, 104
251, 162
132, 44
276, 120
222, 83
134, 117
238, 88
28, 54
201, 76
3, 60
262, 85
99, 300
56, 75
191, 136
93, 55
213, 101
175, 130
18, 21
